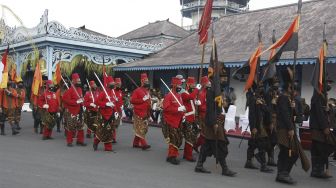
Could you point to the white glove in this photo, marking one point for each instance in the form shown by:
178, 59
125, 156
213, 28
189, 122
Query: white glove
145, 98
93, 105
46, 106
116, 115
181, 109
198, 102
110, 104
58, 114
198, 86
79, 101
183, 119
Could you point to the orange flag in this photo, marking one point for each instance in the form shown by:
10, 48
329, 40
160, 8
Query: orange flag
254, 60
57, 76
37, 81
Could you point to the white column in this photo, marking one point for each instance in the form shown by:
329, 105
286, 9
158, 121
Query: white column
49, 62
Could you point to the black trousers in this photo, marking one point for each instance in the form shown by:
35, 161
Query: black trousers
209, 148
285, 162
320, 152
262, 144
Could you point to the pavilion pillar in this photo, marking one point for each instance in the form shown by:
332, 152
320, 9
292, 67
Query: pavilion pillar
50, 51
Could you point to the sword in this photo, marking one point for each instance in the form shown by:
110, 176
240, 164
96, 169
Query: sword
101, 84
66, 85
90, 90
171, 92
74, 87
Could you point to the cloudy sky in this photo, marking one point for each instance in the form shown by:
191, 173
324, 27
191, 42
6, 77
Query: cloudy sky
111, 17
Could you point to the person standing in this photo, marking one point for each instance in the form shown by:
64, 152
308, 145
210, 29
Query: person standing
91, 113
189, 127
20, 101
107, 108
119, 106
323, 141
73, 103
173, 115
141, 102
50, 105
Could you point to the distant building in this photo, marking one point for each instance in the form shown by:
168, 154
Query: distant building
193, 9
162, 32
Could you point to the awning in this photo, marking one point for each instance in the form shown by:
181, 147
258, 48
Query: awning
226, 64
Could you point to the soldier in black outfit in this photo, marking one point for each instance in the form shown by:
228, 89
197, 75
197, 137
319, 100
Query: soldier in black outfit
285, 132
259, 138
271, 98
216, 141
323, 141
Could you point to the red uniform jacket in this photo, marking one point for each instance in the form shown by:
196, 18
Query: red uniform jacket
189, 102
49, 98
88, 100
70, 100
120, 102
106, 111
171, 116
202, 98
141, 108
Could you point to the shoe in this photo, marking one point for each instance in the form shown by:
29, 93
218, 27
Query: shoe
50, 138
81, 144
173, 160
69, 145
145, 147
271, 162
35, 131
18, 127
114, 141
228, 172
285, 179
135, 146
190, 160
201, 169
14, 132
249, 164
95, 147
44, 138
88, 135
265, 169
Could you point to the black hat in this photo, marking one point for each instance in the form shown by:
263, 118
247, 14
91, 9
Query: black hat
44, 77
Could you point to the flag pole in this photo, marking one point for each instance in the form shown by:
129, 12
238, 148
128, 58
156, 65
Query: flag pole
202, 62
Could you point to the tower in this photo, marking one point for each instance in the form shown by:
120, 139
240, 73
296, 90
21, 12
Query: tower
193, 9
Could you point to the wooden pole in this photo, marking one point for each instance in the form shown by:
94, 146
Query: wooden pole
202, 62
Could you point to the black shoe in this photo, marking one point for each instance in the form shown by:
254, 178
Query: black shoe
173, 160
285, 179
265, 169
2, 134
134, 146
44, 138
95, 147
81, 144
249, 164
14, 132
88, 135
114, 141
145, 147
228, 172
18, 127
69, 145
50, 138
201, 169
322, 175
190, 160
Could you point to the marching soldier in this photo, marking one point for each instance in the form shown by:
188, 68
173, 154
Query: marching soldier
173, 115
323, 141
119, 106
201, 111
259, 138
141, 102
73, 101
271, 98
107, 109
20, 101
91, 113
190, 128
8, 101
285, 132
50, 105
216, 142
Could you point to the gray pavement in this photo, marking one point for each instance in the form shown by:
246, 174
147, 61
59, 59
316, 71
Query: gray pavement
28, 162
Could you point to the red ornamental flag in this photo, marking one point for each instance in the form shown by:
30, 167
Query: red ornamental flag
4, 57
205, 22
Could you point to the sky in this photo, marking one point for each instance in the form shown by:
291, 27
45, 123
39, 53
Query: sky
110, 17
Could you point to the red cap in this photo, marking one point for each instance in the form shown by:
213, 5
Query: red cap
109, 80
75, 76
117, 80
176, 81
144, 77
92, 83
204, 80
190, 81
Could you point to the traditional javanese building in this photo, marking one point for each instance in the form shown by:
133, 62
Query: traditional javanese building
77, 49
237, 39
